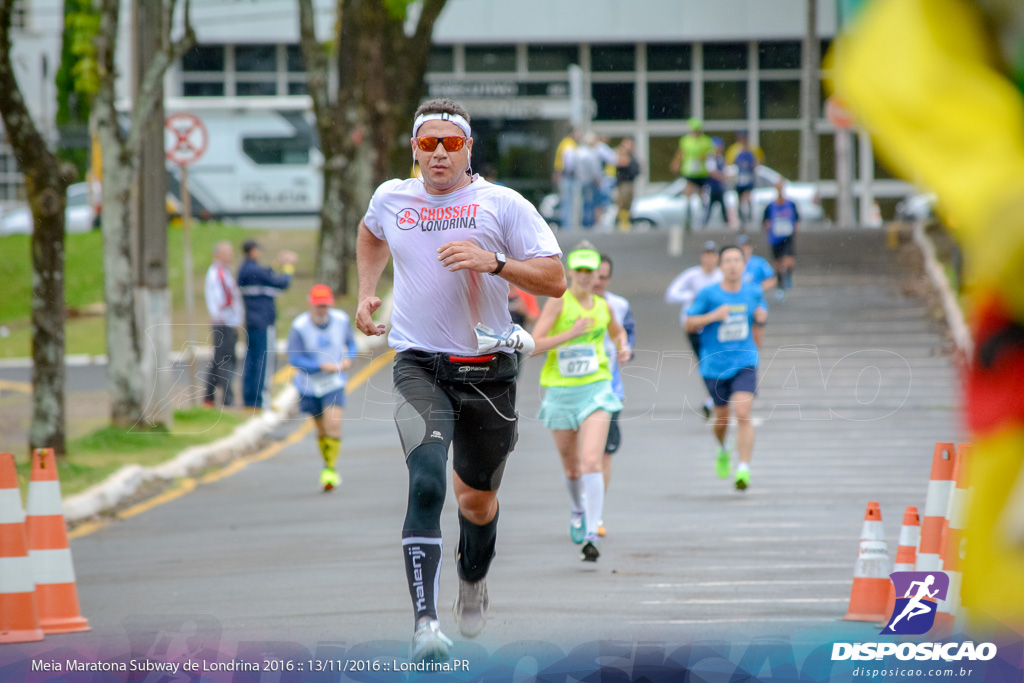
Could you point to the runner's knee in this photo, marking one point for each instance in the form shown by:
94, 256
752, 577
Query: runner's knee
427, 487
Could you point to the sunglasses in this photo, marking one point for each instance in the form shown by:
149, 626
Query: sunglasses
584, 270
452, 143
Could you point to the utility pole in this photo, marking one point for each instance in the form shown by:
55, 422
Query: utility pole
153, 295
810, 101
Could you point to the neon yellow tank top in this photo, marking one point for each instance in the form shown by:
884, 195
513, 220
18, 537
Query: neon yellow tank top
581, 360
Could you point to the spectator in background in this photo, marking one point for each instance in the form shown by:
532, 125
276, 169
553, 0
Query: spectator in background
609, 160
716, 182
563, 175
259, 286
224, 302
627, 168
589, 173
746, 159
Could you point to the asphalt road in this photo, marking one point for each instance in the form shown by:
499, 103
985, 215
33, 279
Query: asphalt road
855, 391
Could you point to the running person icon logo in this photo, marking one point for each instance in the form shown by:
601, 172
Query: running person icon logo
407, 219
918, 595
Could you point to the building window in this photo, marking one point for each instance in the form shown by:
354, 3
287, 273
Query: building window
296, 64
615, 101
490, 59
298, 88
441, 59
203, 58
780, 99
662, 149
612, 58
256, 58
551, 57
779, 55
12, 185
669, 101
677, 57
256, 88
277, 150
19, 14
202, 89
725, 56
782, 151
725, 100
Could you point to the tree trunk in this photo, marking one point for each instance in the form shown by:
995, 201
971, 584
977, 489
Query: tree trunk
332, 256
46, 181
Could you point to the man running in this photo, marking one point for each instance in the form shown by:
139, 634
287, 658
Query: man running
724, 313
781, 221
684, 289
321, 347
457, 241
746, 160
915, 606
758, 272
691, 161
624, 315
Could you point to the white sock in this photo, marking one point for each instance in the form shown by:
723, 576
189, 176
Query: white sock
575, 487
593, 486
744, 466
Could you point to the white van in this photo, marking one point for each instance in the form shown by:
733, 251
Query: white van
262, 159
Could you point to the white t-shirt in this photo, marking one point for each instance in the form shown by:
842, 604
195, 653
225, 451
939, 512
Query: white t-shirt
433, 310
684, 288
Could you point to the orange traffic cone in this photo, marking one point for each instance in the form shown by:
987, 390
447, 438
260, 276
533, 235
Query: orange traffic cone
953, 547
906, 551
19, 614
936, 503
52, 569
871, 573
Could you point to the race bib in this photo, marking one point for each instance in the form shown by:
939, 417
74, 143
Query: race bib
693, 167
734, 328
325, 382
745, 179
783, 227
577, 360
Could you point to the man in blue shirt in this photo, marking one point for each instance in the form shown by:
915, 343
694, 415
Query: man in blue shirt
758, 272
728, 355
321, 347
781, 221
259, 286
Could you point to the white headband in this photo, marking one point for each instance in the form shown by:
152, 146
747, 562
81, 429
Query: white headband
443, 116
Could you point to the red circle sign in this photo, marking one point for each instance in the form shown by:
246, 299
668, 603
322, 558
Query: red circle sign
185, 138
838, 115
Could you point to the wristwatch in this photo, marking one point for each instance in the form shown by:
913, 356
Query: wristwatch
501, 262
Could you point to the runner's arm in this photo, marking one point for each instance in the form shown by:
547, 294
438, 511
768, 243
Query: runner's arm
372, 255
548, 316
618, 336
297, 355
542, 275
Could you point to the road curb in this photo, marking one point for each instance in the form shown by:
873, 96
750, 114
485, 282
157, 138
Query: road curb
958, 327
129, 480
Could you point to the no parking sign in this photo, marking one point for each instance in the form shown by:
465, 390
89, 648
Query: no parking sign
185, 138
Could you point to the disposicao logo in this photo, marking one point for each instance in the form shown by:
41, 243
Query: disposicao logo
914, 613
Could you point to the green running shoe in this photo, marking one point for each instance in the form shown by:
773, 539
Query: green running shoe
722, 464
742, 479
329, 479
577, 527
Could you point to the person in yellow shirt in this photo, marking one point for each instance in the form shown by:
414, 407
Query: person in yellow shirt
563, 176
579, 400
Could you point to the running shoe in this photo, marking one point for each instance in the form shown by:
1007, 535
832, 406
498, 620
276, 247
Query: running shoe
707, 409
780, 295
470, 608
742, 479
600, 529
428, 643
329, 479
577, 527
590, 553
722, 464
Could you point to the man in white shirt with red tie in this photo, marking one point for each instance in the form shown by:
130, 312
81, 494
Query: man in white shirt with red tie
224, 302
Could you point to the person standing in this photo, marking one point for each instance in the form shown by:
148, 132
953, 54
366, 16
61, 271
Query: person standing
691, 161
457, 241
758, 272
723, 313
260, 286
623, 314
224, 302
563, 174
716, 183
321, 347
746, 160
627, 169
683, 290
781, 221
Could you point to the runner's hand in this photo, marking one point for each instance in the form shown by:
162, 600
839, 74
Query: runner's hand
364, 317
760, 315
625, 353
581, 325
721, 313
463, 255
346, 364
329, 367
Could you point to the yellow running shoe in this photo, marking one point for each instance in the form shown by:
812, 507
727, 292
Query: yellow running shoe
329, 479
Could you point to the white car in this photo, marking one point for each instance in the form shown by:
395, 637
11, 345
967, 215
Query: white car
917, 207
664, 209
79, 216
